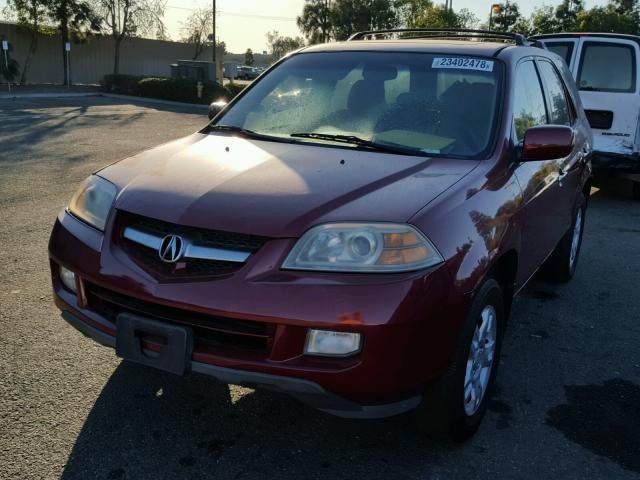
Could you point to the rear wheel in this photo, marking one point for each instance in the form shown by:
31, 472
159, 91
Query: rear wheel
453, 407
561, 265
636, 190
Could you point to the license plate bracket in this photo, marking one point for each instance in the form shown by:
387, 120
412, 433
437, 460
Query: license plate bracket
175, 343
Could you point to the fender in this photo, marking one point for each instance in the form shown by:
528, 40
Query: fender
483, 218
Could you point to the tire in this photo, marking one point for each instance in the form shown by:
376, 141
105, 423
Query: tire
636, 191
561, 266
447, 411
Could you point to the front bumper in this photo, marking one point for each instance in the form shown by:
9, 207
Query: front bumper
615, 162
306, 391
409, 322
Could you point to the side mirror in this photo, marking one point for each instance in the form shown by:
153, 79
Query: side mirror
216, 107
547, 142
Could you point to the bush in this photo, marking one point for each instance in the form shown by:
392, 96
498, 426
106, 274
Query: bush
181, 90
174, 89
235, 88
123, 84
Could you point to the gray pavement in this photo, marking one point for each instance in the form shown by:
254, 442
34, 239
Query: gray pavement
568, 399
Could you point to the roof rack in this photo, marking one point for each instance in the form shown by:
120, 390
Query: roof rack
437, 33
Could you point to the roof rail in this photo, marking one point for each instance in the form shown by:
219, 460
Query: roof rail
517, 38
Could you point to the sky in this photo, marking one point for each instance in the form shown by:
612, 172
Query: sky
244, 24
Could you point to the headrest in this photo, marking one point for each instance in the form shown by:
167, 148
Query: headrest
379, 72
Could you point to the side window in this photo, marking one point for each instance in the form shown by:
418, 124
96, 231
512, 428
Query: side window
565, 50
559, 113
529, 109
607, 67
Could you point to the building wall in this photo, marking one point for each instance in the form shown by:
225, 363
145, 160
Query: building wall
93, 59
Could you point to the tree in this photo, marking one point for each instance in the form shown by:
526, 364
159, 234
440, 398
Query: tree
410, 11
351, 16
543, 20
197, 30
609, 19
248, 57
316, 21
74, 18
279, 46
566, 15
509, 19
625, 7
30, 15
439, 16
130, 18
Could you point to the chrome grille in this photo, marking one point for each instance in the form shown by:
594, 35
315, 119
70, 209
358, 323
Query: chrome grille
207, 253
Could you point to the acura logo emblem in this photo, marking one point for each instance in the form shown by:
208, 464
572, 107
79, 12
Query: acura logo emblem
171, 248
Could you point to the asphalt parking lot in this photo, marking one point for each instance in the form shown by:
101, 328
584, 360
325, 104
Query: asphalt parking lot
568, 397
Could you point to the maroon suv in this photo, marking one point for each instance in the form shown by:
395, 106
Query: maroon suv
350, 230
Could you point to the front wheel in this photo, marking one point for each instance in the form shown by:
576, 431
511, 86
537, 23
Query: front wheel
561, 265
453, 407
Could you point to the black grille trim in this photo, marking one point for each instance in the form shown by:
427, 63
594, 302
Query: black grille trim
221, 331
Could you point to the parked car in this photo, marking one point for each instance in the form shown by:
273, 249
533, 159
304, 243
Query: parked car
230, 70
606, 67
351, 229
247, 73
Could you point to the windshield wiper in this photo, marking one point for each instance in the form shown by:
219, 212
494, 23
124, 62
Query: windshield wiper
243, 132
353, 140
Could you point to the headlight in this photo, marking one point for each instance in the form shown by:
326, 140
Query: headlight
360, 247
93, 201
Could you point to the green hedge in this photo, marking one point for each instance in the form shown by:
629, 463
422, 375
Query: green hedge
175, 89
235, 88
123, 84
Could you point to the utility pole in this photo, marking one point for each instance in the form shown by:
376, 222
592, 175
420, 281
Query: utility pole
325, 26
213, 38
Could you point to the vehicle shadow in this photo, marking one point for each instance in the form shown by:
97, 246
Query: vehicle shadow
148, 424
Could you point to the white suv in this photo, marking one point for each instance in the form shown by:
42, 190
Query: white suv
606, 67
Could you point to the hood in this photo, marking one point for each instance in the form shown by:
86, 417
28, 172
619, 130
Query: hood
223, 182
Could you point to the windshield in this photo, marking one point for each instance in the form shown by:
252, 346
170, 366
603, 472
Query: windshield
435, 104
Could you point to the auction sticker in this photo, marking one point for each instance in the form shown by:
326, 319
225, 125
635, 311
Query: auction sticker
463, 63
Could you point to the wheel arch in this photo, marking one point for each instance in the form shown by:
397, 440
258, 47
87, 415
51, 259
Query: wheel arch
586, 189
504, 271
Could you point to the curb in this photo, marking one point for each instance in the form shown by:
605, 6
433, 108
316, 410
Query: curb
11, 96
153, 100
130, 98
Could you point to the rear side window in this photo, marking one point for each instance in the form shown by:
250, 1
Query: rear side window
565, 50
529, 108
607, 67
558, 106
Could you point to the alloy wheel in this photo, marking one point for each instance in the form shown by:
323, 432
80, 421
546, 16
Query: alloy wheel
480, 361
575, 240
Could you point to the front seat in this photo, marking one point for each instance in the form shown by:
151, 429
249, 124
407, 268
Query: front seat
366, 101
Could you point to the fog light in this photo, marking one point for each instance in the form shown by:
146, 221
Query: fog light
68, 279
332, 344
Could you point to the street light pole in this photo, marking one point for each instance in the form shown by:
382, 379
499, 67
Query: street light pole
495, 9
